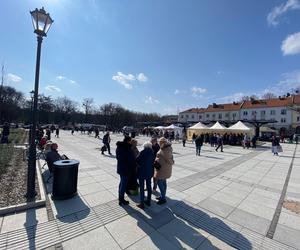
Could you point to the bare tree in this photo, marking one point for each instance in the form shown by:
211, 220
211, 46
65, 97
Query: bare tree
87, 104
269, 95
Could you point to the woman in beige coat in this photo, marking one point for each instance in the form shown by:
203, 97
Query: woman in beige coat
165, 159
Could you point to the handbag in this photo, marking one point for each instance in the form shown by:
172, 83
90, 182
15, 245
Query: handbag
156, 165
279, 149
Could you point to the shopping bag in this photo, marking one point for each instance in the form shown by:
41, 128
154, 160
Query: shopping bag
279, 149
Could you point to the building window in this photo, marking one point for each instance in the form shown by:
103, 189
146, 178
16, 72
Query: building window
192, 116
207, 115
273, 112
263, 112
298, 119
253, 112
245, 113
283, 120
227, 115
200, 117
234, 115
283, 111
181, 116
220, 116
213, 116
187, 116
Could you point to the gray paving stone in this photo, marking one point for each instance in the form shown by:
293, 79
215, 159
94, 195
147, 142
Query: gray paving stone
288, 236
216, 207
248, 220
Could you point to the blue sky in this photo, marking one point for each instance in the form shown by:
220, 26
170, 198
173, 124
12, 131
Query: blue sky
155, 56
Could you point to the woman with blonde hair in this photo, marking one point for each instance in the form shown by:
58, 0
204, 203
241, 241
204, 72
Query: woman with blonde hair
163, 167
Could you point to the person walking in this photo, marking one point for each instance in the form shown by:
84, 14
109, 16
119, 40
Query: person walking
183, 139
155, 148
48, 134
164, 159
57, 132
275, 145
106, 142
199, 144
254, 139
125, 161
145, 172
219, 142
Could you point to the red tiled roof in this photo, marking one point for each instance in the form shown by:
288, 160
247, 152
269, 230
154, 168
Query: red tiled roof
297, 99
224, 107
194, 110
268, 103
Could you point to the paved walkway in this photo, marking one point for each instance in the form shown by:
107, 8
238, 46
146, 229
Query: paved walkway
218, 200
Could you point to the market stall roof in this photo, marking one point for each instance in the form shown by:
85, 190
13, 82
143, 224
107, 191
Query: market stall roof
199, 125
218, 126
172, 126
239, 126
160, 127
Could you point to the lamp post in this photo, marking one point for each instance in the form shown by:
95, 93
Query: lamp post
41, 23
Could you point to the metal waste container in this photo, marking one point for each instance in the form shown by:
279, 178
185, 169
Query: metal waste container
65, 175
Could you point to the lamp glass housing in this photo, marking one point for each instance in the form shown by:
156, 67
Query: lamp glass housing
41, 21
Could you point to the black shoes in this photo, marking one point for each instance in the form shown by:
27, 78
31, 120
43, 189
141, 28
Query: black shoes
148, 203
160, 201
141, 206
123, 202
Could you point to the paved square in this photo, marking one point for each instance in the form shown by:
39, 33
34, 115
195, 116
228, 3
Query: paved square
216, 200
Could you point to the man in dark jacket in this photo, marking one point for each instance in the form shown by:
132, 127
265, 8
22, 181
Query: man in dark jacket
155, 148
125, 161
145, 172
106, 141
219, 142
199, 144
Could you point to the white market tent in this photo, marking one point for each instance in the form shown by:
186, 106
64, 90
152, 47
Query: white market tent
240, 127
159, 127
175, 129
217, 127
198, 125
196, 129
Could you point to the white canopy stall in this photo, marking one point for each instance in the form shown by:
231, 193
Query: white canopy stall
196, 129
240, 127
218, 128
174, 128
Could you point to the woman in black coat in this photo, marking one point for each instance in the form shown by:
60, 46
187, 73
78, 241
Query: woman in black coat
125, 162
145, 172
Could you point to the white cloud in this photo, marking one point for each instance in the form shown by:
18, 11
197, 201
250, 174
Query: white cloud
127, 80
151, 100
61, 78
176, 92
124, 79
232, 98
64, 78
141, 77
197, 91
220, 72
13, 78
52, 88
280, 10
291, 45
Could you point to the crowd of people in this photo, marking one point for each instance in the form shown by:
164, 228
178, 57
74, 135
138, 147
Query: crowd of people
136, 169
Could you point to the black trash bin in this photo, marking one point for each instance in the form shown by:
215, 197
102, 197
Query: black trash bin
65, 175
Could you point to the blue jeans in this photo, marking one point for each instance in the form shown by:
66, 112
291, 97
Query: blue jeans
142, 190
122, 186
198, 150
162, 184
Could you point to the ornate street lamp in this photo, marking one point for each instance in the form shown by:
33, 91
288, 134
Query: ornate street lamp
41, 23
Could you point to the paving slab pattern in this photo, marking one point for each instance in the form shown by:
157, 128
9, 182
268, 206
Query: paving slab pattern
215, 201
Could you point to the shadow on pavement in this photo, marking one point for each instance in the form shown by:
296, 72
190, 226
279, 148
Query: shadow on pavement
186, 227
